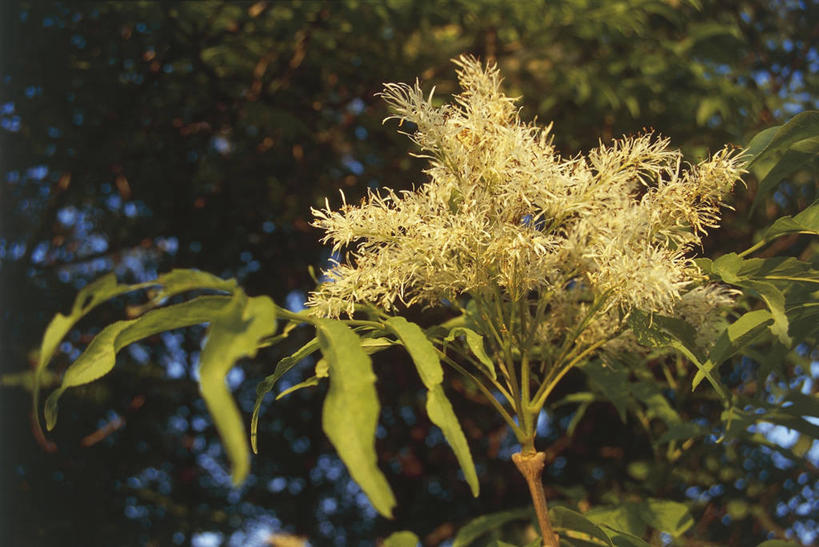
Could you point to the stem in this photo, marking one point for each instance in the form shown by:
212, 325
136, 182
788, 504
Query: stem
530, 466
489, 397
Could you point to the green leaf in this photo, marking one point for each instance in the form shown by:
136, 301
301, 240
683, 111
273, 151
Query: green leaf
650, 395
401, 539
778, 543
625, 517
760, 142
441, 414
486, 523
610, 382
180, 281
423, 353
660, 331
234, 333
740, 333
267, 385
475, 343
350, 412
87, 299
794, 159
736, 271
621, 539
310, 382
99, 357
667, 516
575, 526
682, 432
439, 409
804, 125
805, 222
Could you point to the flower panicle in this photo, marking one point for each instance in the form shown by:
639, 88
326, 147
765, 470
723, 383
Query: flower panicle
501, 209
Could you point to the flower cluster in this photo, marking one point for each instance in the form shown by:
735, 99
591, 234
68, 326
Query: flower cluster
503, 210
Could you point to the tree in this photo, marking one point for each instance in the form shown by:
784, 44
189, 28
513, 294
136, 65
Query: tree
419, 37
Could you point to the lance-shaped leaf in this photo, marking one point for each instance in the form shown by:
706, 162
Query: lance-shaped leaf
267, 385
234, 333
475, 343
575, 526
660, 331
733, 269
770, 147
106, 288
87, 299
99, 357
740, 333
805, 222
439, 409
350, 412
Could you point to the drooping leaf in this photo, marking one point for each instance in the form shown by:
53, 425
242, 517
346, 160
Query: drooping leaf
439, 409
350, 412
441, 414
267, 385
423, 353
475, 343
401, 539
738, 334
99, 357
310, 382
233, 334
87, 299
486, 523
575, 526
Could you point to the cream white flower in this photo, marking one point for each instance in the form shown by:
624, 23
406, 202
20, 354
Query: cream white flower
503, 212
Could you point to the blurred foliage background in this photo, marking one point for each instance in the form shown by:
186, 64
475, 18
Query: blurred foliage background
137, 137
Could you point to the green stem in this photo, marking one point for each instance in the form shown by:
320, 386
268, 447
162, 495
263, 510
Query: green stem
488, 394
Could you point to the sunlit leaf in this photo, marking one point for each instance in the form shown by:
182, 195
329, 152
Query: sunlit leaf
439, 409
87, 299
310, 382
475, 343
350, 412
401, 539
267, 385
99, 357
233, 334
741, 332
